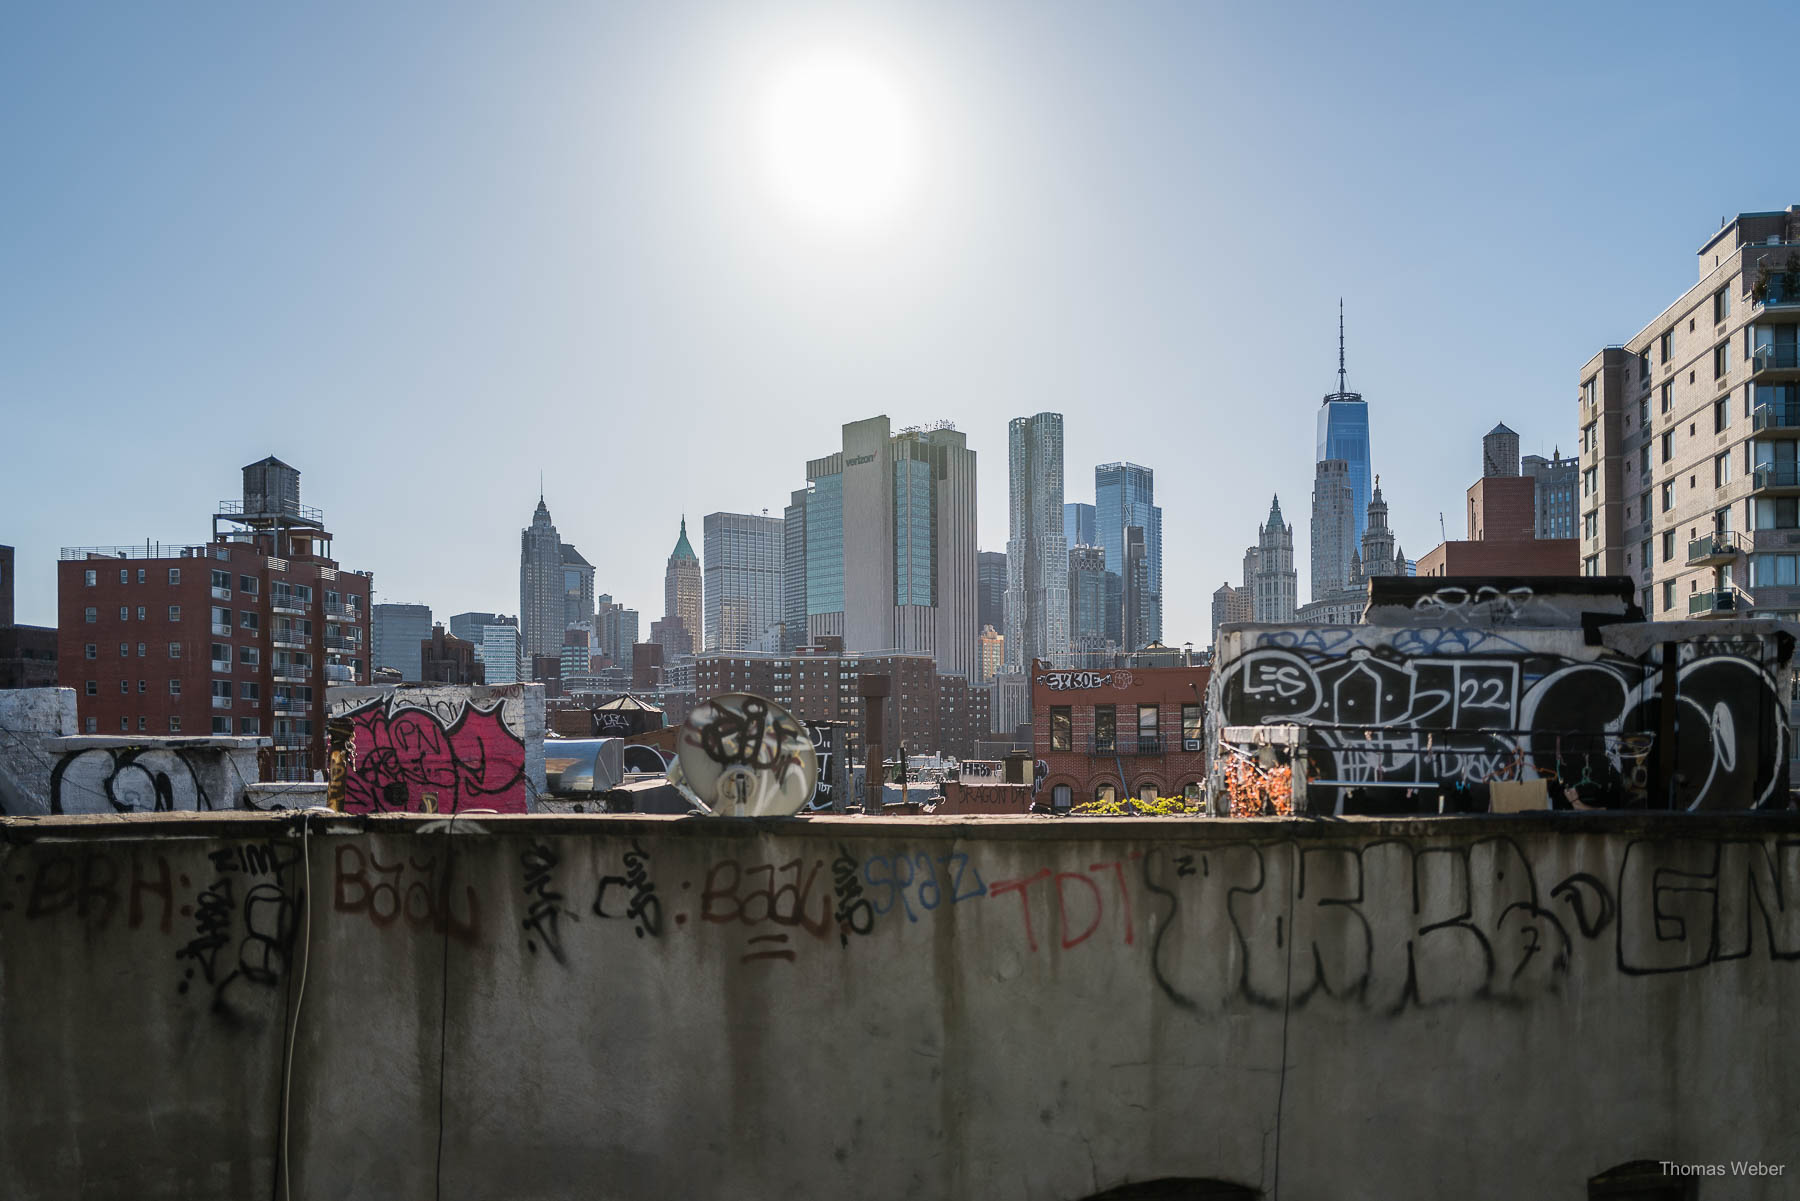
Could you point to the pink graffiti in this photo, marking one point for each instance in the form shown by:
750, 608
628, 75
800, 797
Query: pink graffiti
410, 759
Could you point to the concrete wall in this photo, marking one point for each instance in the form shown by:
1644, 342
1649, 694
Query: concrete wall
46, 768
535, 1007
443, 748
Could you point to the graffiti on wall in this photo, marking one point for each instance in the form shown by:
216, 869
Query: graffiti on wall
1378, 926
435, 752
1433, 707
126, 780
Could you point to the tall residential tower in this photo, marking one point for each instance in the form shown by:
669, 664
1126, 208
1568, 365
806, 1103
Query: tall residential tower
1037, 557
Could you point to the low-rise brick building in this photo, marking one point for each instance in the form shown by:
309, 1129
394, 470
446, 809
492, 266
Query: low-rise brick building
1104, 735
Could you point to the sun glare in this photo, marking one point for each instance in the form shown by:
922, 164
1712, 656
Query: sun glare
838, 141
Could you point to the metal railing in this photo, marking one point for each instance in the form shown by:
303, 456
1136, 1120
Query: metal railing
1716, 545
280, 508
1772, 417
342, 611
1765, 358
1776, 475
149, 550
1718, 601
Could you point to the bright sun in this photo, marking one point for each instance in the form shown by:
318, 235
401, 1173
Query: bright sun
838, 141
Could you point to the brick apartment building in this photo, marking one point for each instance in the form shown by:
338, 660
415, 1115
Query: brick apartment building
239, 636
1106, 734
27, 653
926, 712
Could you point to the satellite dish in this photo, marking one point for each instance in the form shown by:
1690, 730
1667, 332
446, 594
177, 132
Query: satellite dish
745, 756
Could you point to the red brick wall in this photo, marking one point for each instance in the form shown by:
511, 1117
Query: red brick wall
1540, 556
1503, 508
1082, 767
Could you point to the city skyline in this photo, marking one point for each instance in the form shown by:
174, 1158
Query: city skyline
359, 253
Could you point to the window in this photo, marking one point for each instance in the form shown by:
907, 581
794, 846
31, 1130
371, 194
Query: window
1779, 513
125, 687
247, 585
124, 575
174, 650
1721, 304
91, 578
221, 690
174, 687
140, 580
141, 613
174, 575
1061, 796
1722, 360
248, 620
1644, 553
1590, 481
221, 656
1587, 392
92, 615
1106, 792
1722, 470
124, 725
1666, 346
221, 582
174, 725
1668, 546
1668, 595
124, 650
1668, 445
1106, 727
124, 612
248, 655
1061, 728
1148, 732
250, 690
1668, 496
143, 686
91, 725
1774, 571
93, 688
221, 725
1191, 727
174, 612
249, 725
1590, 524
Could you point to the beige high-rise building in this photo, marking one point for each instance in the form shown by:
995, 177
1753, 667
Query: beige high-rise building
682, 589
1688, 436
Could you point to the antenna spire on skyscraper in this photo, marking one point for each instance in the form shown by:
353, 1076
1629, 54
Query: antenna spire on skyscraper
1340, 345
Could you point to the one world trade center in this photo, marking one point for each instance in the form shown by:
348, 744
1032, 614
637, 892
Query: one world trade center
1344, 434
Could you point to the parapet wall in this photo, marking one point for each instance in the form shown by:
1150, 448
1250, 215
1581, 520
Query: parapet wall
542, 1007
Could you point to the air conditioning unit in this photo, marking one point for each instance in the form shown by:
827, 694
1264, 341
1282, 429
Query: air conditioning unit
1190, 744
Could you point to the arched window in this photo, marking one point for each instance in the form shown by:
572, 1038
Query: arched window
1147, 791
1107, 791
1641, 1180
1191, 791
1172, 1188
1061, 795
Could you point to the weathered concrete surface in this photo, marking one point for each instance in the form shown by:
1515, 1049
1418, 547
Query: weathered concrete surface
28, 718
542, 1007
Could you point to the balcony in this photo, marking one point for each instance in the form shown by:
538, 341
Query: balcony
1777, 477
292, 640
1719, 602
285, 602
1778, 418
1775, 358
288, 673
337, 673
340, 612
291, 741
1780, 290
1716, 550
288, 704
337, 644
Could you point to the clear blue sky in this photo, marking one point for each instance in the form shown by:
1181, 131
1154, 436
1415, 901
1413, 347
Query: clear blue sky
423, 252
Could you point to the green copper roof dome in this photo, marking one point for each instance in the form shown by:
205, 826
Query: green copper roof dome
682, 549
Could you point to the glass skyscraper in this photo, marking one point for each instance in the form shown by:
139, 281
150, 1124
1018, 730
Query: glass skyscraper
1344, 434
743, 583
1125, 496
